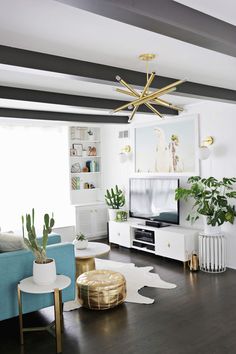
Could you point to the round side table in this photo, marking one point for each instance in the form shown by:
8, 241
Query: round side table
27, 285
85, 258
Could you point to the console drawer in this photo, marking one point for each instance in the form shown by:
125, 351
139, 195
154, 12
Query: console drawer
171, 245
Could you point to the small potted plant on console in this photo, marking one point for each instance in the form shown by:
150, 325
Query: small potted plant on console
44, 268
80, 241
115, 199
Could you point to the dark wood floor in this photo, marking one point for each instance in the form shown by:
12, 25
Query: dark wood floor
199, 316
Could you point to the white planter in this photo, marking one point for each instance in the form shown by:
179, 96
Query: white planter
80, 245
112, 214
209, 229
44, 273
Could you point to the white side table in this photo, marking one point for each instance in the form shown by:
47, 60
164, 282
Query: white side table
27, 285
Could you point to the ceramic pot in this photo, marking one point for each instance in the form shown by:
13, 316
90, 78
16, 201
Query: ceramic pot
209, 229
112, 214
44, 273
80, 244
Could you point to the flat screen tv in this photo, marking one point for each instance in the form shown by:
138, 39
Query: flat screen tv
154, 199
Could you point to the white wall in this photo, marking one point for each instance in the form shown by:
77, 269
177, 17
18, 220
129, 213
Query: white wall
215, 119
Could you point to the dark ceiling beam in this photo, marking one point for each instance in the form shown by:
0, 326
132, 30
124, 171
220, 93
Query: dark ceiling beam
168, 18
105, 74
61, 116
14, 93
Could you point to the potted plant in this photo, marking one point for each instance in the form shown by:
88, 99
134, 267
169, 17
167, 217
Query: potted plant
212, 200
44, 268
80, 241
115, 199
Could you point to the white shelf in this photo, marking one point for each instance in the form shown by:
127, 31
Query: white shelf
83, 173
85, 157
86, 141
146, 243
84, 189
143, 249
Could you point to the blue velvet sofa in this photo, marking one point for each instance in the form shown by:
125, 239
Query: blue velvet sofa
17, 265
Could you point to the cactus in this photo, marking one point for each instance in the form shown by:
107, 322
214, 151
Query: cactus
31, 242
115, 198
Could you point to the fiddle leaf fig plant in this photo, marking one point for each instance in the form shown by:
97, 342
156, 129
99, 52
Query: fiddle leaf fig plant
115, 198
212, 198
39, 250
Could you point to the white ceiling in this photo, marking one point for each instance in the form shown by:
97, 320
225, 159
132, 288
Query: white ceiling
51, 27
224, 10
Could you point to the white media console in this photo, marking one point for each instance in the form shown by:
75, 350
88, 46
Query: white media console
172, 241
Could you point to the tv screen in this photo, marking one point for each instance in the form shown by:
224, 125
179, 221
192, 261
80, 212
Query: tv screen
154, 199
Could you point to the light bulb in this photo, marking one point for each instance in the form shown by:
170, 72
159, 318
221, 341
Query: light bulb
203, 153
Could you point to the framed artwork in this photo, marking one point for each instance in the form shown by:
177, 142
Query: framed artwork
168, 148
78, 148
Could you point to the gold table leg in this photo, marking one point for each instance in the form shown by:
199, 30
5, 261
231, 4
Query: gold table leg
84, 265
20, 315
58, 318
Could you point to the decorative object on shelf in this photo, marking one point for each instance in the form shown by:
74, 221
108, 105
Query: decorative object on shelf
194, 262
168, 147
76, 168
80, 241
84, 153
73, 152
85, 169
115, 199
121, 216
145, 96
86, 185
93, 166
92, 151
87, 163
91, 135
78, 133
75, 183
78, 148
204, 151
44, 269
212, 200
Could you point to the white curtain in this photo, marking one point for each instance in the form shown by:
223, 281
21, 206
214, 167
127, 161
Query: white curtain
34, 173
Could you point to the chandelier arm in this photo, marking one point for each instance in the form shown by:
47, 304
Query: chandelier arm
132, 114
126, 92
156, 93
167, 104
154, 110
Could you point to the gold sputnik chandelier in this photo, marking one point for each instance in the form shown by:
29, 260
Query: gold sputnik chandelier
149, 99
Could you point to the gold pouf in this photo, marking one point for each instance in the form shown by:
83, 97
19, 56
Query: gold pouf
101, 289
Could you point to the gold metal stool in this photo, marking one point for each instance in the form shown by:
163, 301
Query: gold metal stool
101, 289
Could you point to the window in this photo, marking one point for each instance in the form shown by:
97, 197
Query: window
34, 173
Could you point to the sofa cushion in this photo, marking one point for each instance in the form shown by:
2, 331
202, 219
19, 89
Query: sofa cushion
11, 242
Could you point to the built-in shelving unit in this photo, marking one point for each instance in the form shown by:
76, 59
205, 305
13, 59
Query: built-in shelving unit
85, 163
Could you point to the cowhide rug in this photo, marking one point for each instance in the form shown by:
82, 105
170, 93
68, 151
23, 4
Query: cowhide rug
136, 278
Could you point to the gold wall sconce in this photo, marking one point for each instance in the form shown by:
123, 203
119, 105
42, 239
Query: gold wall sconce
204, 151
126, 149
125, 153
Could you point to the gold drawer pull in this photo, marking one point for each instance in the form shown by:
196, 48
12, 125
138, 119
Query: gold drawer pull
168, 245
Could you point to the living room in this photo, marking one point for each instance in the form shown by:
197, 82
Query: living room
107, 112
